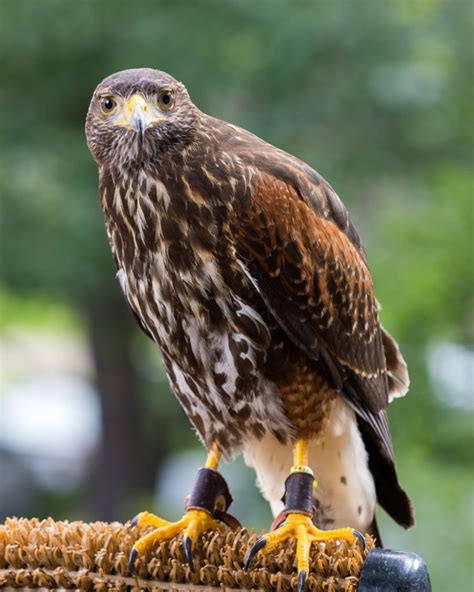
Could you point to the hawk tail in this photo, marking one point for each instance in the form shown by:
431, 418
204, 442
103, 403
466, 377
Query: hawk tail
397, 372
374, 531
390, 495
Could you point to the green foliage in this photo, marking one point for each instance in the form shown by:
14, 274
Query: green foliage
377, 96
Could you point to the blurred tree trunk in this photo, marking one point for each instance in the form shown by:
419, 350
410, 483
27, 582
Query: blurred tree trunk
125, 465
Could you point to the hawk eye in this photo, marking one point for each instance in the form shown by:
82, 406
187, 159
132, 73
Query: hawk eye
165, 99
107, 104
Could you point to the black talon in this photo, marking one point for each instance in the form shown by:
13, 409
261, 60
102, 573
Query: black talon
301, 580
188, 551
134, 521
131, 561
361, 538
254, 550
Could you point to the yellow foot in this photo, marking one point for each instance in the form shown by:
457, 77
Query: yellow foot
191, 525
301, 527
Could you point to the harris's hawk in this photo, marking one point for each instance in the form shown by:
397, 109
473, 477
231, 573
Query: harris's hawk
241, 263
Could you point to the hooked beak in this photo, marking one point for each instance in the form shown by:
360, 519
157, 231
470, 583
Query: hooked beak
139, 116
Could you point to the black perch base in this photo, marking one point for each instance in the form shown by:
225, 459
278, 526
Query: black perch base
394, 571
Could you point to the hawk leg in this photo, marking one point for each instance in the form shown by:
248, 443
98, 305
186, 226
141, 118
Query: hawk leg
206, 509
297, 518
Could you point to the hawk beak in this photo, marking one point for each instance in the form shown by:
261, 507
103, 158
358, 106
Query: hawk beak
140, 115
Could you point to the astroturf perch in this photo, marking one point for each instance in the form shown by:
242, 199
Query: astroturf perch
241, 263
49, 554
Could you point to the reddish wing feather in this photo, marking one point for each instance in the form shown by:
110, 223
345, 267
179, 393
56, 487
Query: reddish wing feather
317, 284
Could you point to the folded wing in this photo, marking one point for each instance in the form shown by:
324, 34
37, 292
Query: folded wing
295, 242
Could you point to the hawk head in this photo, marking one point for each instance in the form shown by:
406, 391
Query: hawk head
137, 114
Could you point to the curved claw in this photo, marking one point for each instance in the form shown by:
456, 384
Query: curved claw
188, 551
361, 538
262, 541
301, 580
131, 561
134, 520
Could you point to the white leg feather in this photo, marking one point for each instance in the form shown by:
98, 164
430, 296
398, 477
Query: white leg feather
346, 492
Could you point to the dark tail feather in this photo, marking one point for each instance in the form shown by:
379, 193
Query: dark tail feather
374, 531
390, 495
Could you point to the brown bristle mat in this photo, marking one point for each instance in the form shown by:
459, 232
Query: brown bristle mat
75, 555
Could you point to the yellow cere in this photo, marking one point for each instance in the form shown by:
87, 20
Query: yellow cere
136, 100
136, 107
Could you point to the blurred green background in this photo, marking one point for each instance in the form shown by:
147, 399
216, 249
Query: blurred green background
377, 96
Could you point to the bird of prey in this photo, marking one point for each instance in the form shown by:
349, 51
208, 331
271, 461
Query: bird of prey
241, 263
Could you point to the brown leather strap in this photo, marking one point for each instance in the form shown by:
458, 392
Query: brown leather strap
278, 520
228, 519
299, 493
210, 492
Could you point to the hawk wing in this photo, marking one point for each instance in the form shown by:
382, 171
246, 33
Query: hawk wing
295, 242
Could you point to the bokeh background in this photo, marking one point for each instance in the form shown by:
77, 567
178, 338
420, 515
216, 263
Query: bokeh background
377, 96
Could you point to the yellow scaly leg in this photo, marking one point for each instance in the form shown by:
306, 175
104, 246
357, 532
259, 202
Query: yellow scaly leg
213, 457
191, 526
298, 523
